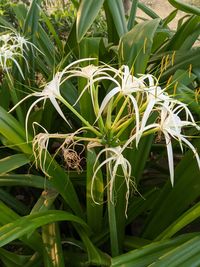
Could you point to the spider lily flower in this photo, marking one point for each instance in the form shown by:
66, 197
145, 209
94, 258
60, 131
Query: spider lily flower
13, 46
40, 147
171, 126
113, 161
90, 72
155, 97
52, 92
126, 87
9, 54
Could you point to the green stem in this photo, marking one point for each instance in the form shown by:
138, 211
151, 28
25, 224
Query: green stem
112, 218
92, 129
96, 109
123, 127
109, 115
120, 111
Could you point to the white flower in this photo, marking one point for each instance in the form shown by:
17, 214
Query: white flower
93, 74
171, 126
52, 92
155, 97
127, 85
12, 47
114, 159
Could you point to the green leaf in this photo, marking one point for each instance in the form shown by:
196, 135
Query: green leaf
170, 17
53, 254
88, 48
172, 202
31, 21
135, 46
148, 10
53, 31
13, 202
24, 180
94, 211
146, 255
8, 216
117, 12
15, 134
16, 259
87, 12
20, 11
131, 20
13, 162
188, 217
11, 130
188, 59
187, 33
183, 80
179, 4
179, 255
27, 224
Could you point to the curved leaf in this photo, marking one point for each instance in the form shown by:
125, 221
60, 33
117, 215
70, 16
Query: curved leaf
189, 216
87, 12
24, 180
27, 224
172, 202
13, 162
179, 4
146, 255
117, 11
135, 46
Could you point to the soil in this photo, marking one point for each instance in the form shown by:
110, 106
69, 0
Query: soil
163, 8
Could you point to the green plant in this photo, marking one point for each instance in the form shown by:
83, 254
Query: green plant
107, 106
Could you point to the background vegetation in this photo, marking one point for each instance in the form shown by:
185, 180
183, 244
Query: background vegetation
50, 219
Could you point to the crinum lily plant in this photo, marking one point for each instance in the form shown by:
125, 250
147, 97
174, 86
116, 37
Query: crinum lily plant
134, 104
13, 47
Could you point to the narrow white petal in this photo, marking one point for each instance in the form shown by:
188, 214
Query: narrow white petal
145, 118
133, 137
170, 156
193, 150
28, 113
57, 107
22, 100
76, 62
137, 114
107, 98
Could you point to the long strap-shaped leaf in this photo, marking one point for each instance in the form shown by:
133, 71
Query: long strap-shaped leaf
24, 180
12, 162
87, 12
27, 224
132, 15
117, 11
135, 46
172, 202
179, 4
15, 135
189, 216
31, 21
146, 255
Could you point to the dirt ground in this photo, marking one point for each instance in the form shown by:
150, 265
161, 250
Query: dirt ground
163, 8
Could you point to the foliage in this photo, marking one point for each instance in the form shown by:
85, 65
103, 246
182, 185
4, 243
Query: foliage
63, 178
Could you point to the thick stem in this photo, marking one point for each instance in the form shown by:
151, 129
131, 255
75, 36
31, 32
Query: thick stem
112, 217
90, 127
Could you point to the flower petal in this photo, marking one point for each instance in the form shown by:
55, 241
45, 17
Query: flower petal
170, 156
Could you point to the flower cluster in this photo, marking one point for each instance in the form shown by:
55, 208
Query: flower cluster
13, 47
130, 101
